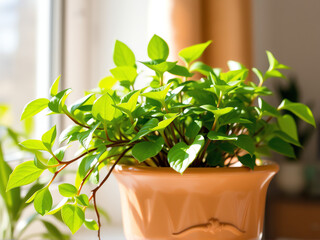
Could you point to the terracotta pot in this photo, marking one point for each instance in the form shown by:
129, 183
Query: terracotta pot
201, 204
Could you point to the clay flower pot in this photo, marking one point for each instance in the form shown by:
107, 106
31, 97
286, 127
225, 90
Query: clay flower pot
201, 204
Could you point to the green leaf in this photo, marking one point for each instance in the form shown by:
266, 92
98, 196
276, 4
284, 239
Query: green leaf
39, 161
82, 200
158, 48
85, 138
300, 110
49, 137
56, 103
107, 83
287, 138
159, 94
58, 207
24, 174
181, 155
67, 190
91, 224
192, 53
160, 66
193, 129
267, 109
68, 132
145, 150
282, 147
73, 217
12, 197
103, 108
288, 126
131, 105
146, 129
245, 142
201, 68
217, 111
248, 160
124, 73
273, 62
122, 55
53, 230
233, 65
164, 123
259, 75
33, 144
212, 135
273, 73
80, 102
43, 201
180, 71
34, 107
55, 86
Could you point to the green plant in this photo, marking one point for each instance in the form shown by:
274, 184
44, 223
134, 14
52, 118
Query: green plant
13, 202
178, 123
291, 92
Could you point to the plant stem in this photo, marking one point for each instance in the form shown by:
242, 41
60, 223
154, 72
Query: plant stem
93, 192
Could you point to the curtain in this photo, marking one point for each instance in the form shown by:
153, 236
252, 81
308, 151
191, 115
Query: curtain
228, 23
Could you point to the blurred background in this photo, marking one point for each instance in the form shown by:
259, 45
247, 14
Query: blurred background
41, 39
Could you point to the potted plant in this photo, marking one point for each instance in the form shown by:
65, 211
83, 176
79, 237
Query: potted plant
186, 152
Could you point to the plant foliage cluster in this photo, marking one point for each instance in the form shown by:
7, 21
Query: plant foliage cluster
177, 121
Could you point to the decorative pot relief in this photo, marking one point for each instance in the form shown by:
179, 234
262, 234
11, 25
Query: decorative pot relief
213, 226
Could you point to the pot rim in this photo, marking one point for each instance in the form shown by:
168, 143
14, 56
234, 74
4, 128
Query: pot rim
266, 166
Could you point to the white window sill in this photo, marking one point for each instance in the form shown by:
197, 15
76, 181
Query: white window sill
107, 233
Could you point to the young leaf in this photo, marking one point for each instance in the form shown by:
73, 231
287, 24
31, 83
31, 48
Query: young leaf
164, 123
160, 66
248, 160
300, 110
122, 55
192, 53
273, 62
282, 147
55, 86
145, 150
181, 155
212, 135
82, 200
67, 190
80, 102
33, 144
43, 201
107, 83
258, 74
24, 174
158, 48
124, 73
159, 94
73, 217
49, 137
217, 111
103, 108
57, 102
146, 129
245, 142
91, 224
131, 105
288, 125
34, 107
